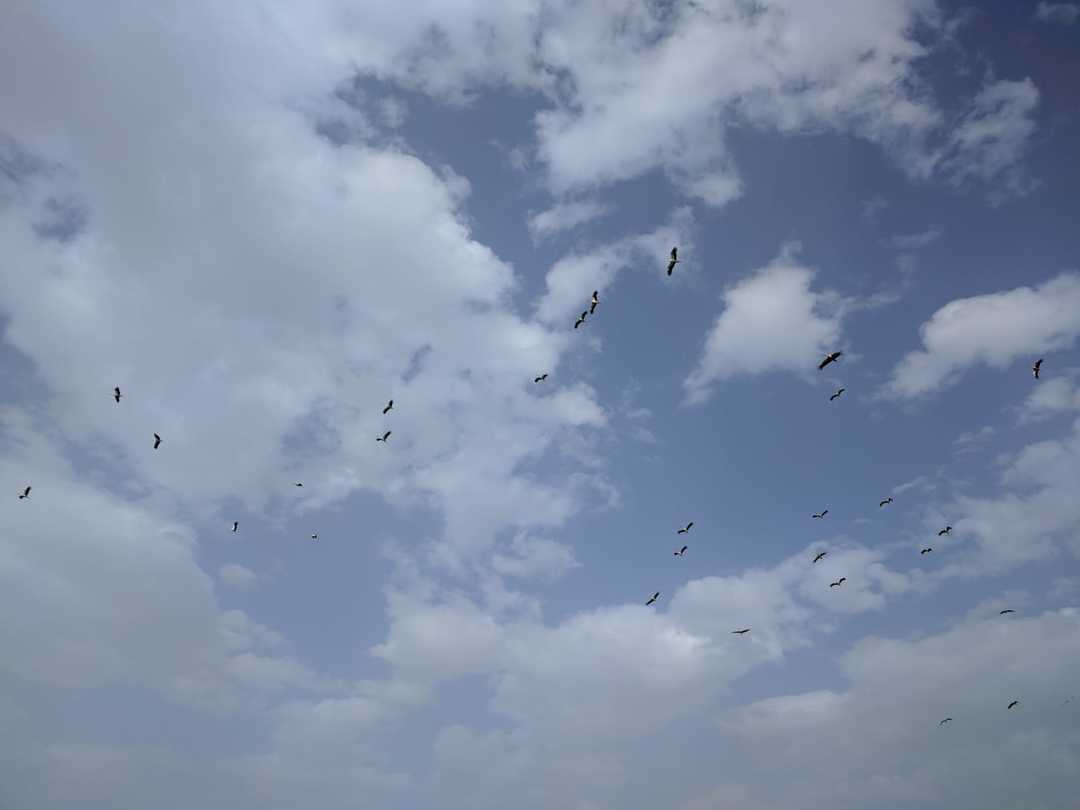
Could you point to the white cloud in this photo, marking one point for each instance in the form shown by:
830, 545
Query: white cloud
565, 216
1064, 13
535, 557
237, 576
972, 440
916, 241
1049, 398
993, 329
772, 320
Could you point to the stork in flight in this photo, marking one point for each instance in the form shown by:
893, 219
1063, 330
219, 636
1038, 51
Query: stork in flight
581, 319
946, 720
885, 502
1014, 703
945, 531
25, 494
1035, 369
157, 441
837, 394
838, 582
686, 528
741, 632
235, 526
389, 407
820, 514
116, 393
831, 357
1005, 611
541, 378
821, 555
653, 598
384, 437
681, 552
673, 260
595, 302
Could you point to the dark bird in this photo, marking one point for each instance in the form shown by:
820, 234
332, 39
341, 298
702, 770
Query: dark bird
839, 391
298, 484
946, 530
946, 720
1014, 703
1006, 610
541, 378
741, 632
25, 493
581, 319
926, 550
116, 393
653, 598
838, 582
1066, 701
681, 552
315, 536
235, 526
384, 437
820, 514
157, 441
1036, 368
389, 407
885, 502
821, 555
686, 528
595, 302
674, 260
832, 357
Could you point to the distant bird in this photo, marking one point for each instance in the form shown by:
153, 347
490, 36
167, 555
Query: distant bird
298, 484
595, 302
1036, 368
674, 260
384, 437
821, 555
235, 526
946, 720
681, 552
926, 550
885, 502
389, 407
1006, 610
820, 514
315, 536
686, 528
838, 582
653, 598
541, 378
832, 357
157, 441
1067, 700
116, 393
946, 530
839, 391
741, 632
581, 319
1014, 703
25, 493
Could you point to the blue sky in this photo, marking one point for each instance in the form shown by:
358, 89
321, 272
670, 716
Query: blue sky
263, 223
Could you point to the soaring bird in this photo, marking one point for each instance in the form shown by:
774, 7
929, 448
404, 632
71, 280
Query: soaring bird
946, 720
541, 378
686, 528
157, 441
1014, 703
885, 502
389, 407
926, 550
946, 530
25, 493
653, 598
741, 632
821, 555
298, 484
595, 302
116, 393
581, 319
838, 582
1035, 368
836, 395
681, 552
832, 357
674, 260
384, 437
1006, 610
235, 526
315, 536
820, 514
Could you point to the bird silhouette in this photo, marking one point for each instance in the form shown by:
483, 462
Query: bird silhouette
1014, 703
681, 552
541, 378
686, 528
25, 494
836, 395
581, 319
838, 582
1035, 369
157, 441
315, 536
1006, 610
885, 502
926, 550
741, 632
298, 484
389, 407
832, 357
384, 437
820, 514
821, 555
674, 260
595, 302
235, 526
116, 393
946, 530
946, 720
653, 598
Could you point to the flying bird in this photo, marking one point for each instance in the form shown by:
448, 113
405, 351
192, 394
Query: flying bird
946, 720
820, 514
235, 526
839, 391
581, 319
674, 260
389, 407
116, 393
595, 302
681, 552
832, 357
885, 502
653, 598
384, 437
741, 632
298, 484
541, 378
1006, 610
25, 493
1014, 703
315, 536
838, 582
157, 441
1036, 368
821, 555
686, 528
926, 550
946, 530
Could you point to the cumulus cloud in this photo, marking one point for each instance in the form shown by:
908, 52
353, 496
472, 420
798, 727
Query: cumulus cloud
1064, 13
565, 216
915, 241
237, 576
1050, 398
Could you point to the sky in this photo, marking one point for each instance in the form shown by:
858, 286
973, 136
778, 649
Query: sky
263, 221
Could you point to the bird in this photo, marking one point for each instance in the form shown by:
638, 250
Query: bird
235, 526
298, 484
674, 260
25, 494
581, 319
653, 598
946, 530
926, 550
821, 555
885, 502
839, 391
831, 357
741, 632
1014, 703
681, 552
157, 441
820, 514
116, 393
686, 528
946, 720
389, 407
1006, 610
384, 437
541, 378
838, 582
315, 536
1067, 700
595, 302
1036, 368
